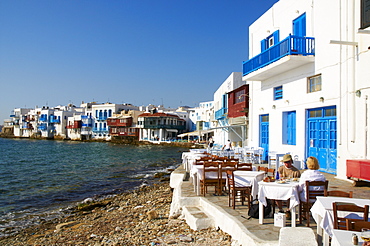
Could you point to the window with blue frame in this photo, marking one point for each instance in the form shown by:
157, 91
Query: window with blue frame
289, 127
278, 92
270, 41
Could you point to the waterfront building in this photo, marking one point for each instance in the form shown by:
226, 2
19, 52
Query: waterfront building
101, 112
158, 127
308, 81
123, 126
223, 130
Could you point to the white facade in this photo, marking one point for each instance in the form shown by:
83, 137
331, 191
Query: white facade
221, 134
343, 68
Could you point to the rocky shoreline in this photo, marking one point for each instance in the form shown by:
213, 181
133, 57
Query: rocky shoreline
140, 217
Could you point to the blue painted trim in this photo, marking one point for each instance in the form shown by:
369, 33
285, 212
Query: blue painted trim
291, 45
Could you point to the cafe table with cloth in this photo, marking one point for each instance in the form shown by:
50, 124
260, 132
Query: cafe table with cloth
278, 190
322, 213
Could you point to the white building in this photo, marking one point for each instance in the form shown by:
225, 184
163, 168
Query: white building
223, 131
308, 75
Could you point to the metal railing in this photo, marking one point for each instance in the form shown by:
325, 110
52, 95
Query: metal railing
291, 45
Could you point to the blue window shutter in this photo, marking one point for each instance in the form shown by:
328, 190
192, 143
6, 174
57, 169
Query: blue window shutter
263, 45
285, 128
276, 37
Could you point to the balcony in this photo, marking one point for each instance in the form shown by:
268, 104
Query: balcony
55, 120
43, 119
100, 130
75, 125
292, 52
42, 127
164, 126
221, 113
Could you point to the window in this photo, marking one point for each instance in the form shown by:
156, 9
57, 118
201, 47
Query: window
314, 83
239, 96
365, 14
278, 93
270, 41
289, 127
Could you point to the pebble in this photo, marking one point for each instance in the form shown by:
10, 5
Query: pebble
135, 221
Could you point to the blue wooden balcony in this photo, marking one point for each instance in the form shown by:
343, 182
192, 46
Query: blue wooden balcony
292, 45
220, 114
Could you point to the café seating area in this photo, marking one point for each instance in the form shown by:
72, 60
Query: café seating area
219, 174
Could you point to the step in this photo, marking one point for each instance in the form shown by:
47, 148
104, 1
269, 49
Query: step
196, 218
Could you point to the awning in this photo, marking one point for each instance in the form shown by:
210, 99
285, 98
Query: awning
171, 130
195, 133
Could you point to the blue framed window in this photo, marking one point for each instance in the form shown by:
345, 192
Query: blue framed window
278, 92
289, 128
270, 41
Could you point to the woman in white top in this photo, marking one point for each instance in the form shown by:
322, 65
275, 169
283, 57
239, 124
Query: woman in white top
312, 174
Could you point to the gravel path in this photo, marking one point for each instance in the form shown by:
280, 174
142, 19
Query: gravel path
136, 218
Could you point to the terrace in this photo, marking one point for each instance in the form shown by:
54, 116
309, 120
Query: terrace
292, 52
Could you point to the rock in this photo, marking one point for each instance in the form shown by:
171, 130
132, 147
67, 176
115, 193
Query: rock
152, 214
64, 225
185, 239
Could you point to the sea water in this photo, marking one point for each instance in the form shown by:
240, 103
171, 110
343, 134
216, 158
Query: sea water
41, 179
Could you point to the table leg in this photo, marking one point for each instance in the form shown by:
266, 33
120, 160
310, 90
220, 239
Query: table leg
293, 216
319, 231
260, 212
325, 239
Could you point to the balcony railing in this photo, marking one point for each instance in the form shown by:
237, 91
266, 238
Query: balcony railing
100, 130
42, 127
292, 45
221, 113
55, 120
162, 126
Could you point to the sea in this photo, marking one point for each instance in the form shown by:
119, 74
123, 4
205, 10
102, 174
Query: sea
43, 179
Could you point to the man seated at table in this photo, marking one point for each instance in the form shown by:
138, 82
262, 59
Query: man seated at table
287, 171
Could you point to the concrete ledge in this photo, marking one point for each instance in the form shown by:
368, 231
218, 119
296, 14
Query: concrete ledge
302, 236
196, 218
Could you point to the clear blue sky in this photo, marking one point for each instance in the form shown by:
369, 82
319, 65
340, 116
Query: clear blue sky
55, 52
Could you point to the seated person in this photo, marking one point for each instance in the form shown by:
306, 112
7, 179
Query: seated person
312, 174
287, 171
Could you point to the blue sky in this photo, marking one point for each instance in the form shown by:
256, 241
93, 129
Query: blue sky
123, 51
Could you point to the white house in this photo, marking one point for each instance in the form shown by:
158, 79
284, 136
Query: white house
223, 130
308, 75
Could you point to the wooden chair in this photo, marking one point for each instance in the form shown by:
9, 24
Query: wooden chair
259, 168
312, 192
244, 167
357, 225
270, 172
237, 192
210, 177
340, 193
227, 165
341, 222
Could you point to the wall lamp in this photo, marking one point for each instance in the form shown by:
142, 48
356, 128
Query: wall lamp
322, 99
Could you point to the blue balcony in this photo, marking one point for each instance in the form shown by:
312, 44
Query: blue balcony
43, 119
221, 113
55, 120
290, 46
42, 127
100, 130
102, 118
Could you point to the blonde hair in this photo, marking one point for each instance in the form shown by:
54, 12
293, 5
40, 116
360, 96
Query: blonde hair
312, 163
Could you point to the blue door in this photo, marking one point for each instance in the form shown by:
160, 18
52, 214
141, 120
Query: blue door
299, 29
322, 137
299, 26
264, 135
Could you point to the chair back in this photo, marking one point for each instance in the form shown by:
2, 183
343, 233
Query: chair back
357, 225
270, 172
340, 193
314, 189
211, 170
244, 166
340, 221
230, 179
264, 169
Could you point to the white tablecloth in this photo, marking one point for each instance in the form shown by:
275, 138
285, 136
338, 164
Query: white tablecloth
276, 191
322, 210
344, 238
188, 159
249, 178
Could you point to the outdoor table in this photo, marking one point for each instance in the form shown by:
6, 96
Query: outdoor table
278, 191
249, 178
344, 238
189, 158
322, 212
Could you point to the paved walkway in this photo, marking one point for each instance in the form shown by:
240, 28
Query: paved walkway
267, 231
